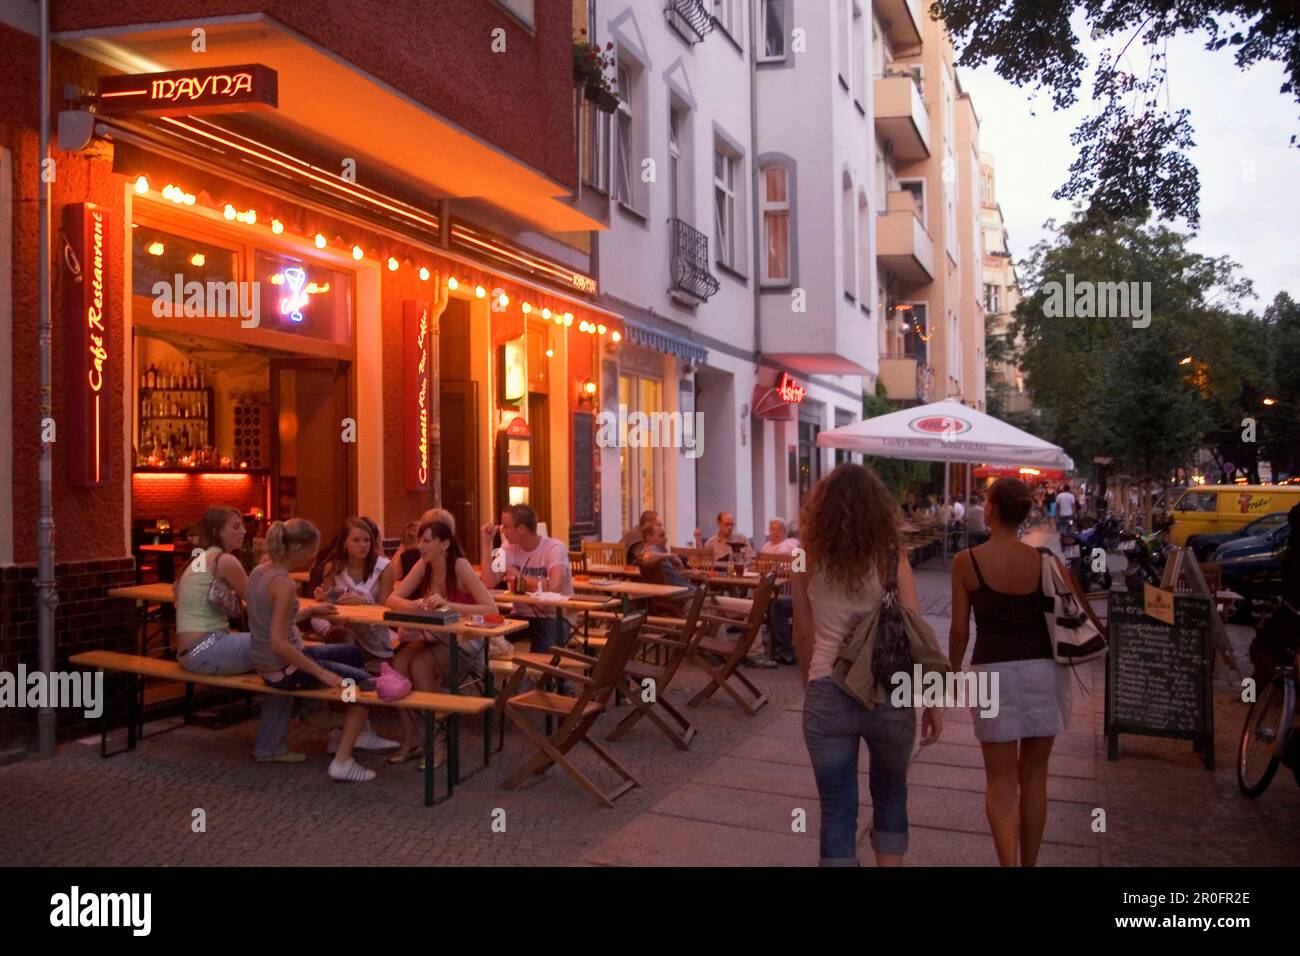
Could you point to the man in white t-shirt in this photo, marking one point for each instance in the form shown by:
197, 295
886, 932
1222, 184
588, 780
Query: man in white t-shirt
542, 563
1065, 503
779, 542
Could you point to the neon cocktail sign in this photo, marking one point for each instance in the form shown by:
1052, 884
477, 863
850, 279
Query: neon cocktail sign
292, 304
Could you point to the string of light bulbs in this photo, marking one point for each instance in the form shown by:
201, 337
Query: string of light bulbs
249, 217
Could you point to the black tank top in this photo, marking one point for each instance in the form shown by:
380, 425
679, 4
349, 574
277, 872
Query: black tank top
1008, 627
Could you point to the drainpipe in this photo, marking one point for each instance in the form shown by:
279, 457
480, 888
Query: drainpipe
756, 227
47, 595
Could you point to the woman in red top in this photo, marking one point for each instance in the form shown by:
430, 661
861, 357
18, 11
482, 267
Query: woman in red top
443, 575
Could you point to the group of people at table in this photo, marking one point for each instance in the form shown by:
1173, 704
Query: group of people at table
430, 569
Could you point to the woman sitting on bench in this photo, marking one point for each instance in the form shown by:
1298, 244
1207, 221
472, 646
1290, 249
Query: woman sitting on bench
277, 649
208, 594
443, 575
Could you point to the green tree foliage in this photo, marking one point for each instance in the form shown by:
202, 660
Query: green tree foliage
1144, 396
1132, 152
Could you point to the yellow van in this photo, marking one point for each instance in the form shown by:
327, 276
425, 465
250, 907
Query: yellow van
1209, 509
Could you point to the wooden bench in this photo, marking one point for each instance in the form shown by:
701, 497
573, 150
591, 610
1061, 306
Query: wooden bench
435, 706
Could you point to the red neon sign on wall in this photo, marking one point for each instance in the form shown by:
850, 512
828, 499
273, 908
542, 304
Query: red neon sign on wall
790, 391
87, 228
417, 381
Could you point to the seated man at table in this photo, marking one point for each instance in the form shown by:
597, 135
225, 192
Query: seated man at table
658, 562
535, 559
631, 541
726, 541
779, 542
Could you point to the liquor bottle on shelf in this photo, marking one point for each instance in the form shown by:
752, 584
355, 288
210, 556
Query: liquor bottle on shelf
202, 384
152, 377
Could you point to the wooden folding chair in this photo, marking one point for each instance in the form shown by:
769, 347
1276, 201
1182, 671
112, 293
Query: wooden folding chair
721, 660
576, 714
604, 552
678, 640
697, 559
578, 562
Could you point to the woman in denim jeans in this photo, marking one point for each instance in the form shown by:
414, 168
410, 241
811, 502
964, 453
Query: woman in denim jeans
850, 533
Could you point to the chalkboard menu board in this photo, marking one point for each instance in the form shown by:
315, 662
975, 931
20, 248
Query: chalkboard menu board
584, 469
1159, 677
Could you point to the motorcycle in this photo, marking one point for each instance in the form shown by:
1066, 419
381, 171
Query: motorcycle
1090, 547
1146, 555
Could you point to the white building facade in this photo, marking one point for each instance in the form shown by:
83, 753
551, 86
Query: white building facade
740, 250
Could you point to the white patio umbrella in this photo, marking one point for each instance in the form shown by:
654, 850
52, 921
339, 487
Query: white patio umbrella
946, 431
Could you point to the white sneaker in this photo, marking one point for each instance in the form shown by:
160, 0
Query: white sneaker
366, 740
350, 772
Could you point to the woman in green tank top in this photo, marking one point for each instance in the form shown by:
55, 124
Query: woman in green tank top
205, 642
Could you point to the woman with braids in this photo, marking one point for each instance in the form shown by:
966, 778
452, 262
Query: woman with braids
1001, 581
849, 530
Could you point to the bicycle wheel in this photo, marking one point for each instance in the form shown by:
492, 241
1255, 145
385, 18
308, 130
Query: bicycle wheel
1257, 755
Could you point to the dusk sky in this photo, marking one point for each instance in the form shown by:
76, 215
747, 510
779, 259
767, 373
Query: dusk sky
1250, 203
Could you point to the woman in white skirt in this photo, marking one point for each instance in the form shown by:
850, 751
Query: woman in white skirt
1001, 581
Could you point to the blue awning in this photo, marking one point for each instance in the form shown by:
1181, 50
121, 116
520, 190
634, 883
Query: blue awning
664, 342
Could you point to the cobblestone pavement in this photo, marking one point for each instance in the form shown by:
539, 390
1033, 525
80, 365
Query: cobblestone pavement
732, 799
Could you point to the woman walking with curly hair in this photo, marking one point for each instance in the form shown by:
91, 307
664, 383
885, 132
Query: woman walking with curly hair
850, 531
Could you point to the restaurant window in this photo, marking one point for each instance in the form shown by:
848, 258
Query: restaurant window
772, 29
775, 201
158, 257
302, 297
641, 469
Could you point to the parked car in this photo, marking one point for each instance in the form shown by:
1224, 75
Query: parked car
1212, 509
1253, 566
1204, 545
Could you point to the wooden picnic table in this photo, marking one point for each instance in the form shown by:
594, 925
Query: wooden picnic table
613, 570
730, 580
143, 595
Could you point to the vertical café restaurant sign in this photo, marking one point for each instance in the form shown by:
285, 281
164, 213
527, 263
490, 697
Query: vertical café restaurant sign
86, 274
190, 92
417, 426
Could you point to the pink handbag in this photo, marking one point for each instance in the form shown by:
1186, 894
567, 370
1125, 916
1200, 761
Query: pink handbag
391, 685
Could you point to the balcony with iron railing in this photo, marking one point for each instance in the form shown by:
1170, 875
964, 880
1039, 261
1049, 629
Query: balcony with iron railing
690, 18
689, 258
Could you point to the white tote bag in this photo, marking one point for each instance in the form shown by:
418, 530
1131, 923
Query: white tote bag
1075, 639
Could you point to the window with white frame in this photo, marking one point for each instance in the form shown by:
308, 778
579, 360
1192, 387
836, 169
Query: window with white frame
917, 188
864, 265
774, 199
771, 30
848, 248
859, 64
725, 14
625, 135
842, 27
523, 9
725, 219
992, 298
